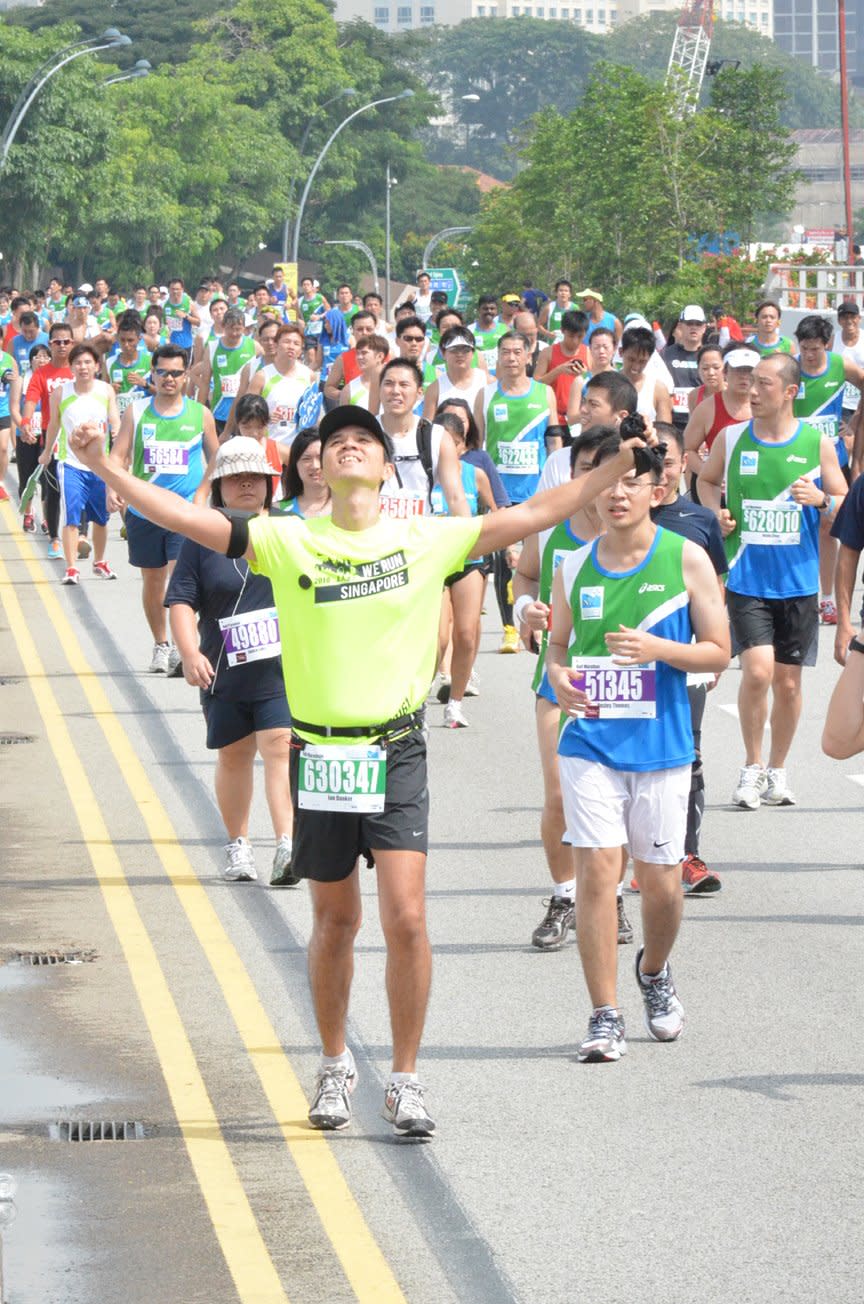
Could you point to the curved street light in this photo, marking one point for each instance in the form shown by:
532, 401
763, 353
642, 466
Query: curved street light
286, 229
442, 235
142, 69
364, 248
389, 99
110, 39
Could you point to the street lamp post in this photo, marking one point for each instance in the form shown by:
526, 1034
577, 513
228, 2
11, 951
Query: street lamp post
391, 182
364, 248
142, 69
286, 229
442, 235
110, 39
389, 99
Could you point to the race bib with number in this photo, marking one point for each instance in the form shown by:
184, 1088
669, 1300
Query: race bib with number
342, 778
230, 385
165, 457
617, 692
123, 401
851, 396
765, 523
679, 400
399, 507
826, 426
173, 324
251, 636
519, 457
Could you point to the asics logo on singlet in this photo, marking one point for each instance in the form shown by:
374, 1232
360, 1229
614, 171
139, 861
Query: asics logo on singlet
793, 458
652, 588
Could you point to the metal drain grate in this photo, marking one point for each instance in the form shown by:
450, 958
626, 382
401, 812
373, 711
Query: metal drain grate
10, 739
54, 957
88, 1129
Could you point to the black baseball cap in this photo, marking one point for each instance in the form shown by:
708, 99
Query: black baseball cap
848, 308
350, 414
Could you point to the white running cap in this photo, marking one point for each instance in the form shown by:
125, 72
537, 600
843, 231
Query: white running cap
742, 358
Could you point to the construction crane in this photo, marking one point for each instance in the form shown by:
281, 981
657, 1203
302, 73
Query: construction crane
689, 56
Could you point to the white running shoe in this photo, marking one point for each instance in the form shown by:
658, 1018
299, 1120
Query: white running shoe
664, 1013
752, 782
159, 660
331, 1109
604, 1043
454, 716
404, 1107
175, 664
240, 862
777, 791
473, 687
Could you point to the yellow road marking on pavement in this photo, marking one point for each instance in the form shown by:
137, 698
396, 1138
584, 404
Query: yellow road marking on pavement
239, 1237
367, 1270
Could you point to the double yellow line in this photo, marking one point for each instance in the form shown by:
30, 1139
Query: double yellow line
239, 1236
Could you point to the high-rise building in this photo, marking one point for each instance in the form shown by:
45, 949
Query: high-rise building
594, 15
808, 29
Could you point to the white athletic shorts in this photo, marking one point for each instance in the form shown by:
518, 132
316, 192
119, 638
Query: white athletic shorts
647, 810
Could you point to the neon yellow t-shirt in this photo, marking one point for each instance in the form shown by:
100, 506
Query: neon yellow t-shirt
358, 610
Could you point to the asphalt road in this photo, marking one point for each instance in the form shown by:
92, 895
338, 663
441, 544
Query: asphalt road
725, 1167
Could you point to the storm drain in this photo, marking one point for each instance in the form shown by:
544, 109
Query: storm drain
12, 739
88, 1129
54, 957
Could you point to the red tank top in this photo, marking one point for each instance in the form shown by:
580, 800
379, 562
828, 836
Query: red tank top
722, 419
350, 365
564, 383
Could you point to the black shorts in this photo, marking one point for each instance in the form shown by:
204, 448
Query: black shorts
789, 625
228, 722
327, 844
5, 422
468, 570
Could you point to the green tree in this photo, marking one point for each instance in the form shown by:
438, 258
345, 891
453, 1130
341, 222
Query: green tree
517, 66
162, 33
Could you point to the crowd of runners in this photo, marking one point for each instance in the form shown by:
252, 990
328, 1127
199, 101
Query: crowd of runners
316, 498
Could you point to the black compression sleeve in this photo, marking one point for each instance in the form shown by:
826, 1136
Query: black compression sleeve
239, 541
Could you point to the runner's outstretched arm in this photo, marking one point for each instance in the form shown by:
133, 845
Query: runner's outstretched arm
205, 525
553, 505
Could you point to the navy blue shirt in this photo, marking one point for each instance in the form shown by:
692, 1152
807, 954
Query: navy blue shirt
696, 523
848, 525
215, 586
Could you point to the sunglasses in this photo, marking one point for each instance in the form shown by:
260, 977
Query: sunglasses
414, 339
61, 344
168, 371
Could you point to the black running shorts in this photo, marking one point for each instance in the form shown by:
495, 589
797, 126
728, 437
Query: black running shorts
327, 844
789, 625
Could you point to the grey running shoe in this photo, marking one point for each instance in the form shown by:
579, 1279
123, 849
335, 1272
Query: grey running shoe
331, 1108
625, 928
405, 1109
175, 664
159, 659
664, 1013
552, 932
777, 791
604, 1042
282, 874
752, 782
239, 862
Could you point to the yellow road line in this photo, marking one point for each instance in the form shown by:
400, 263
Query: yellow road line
367, 1270
239, 1237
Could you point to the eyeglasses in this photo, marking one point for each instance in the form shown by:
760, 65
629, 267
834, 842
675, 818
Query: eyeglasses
631, 486
168, 371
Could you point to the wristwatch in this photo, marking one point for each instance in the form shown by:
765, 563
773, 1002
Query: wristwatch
855, 646
825, 503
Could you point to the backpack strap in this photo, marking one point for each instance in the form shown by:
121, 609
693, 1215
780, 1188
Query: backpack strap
424, 449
